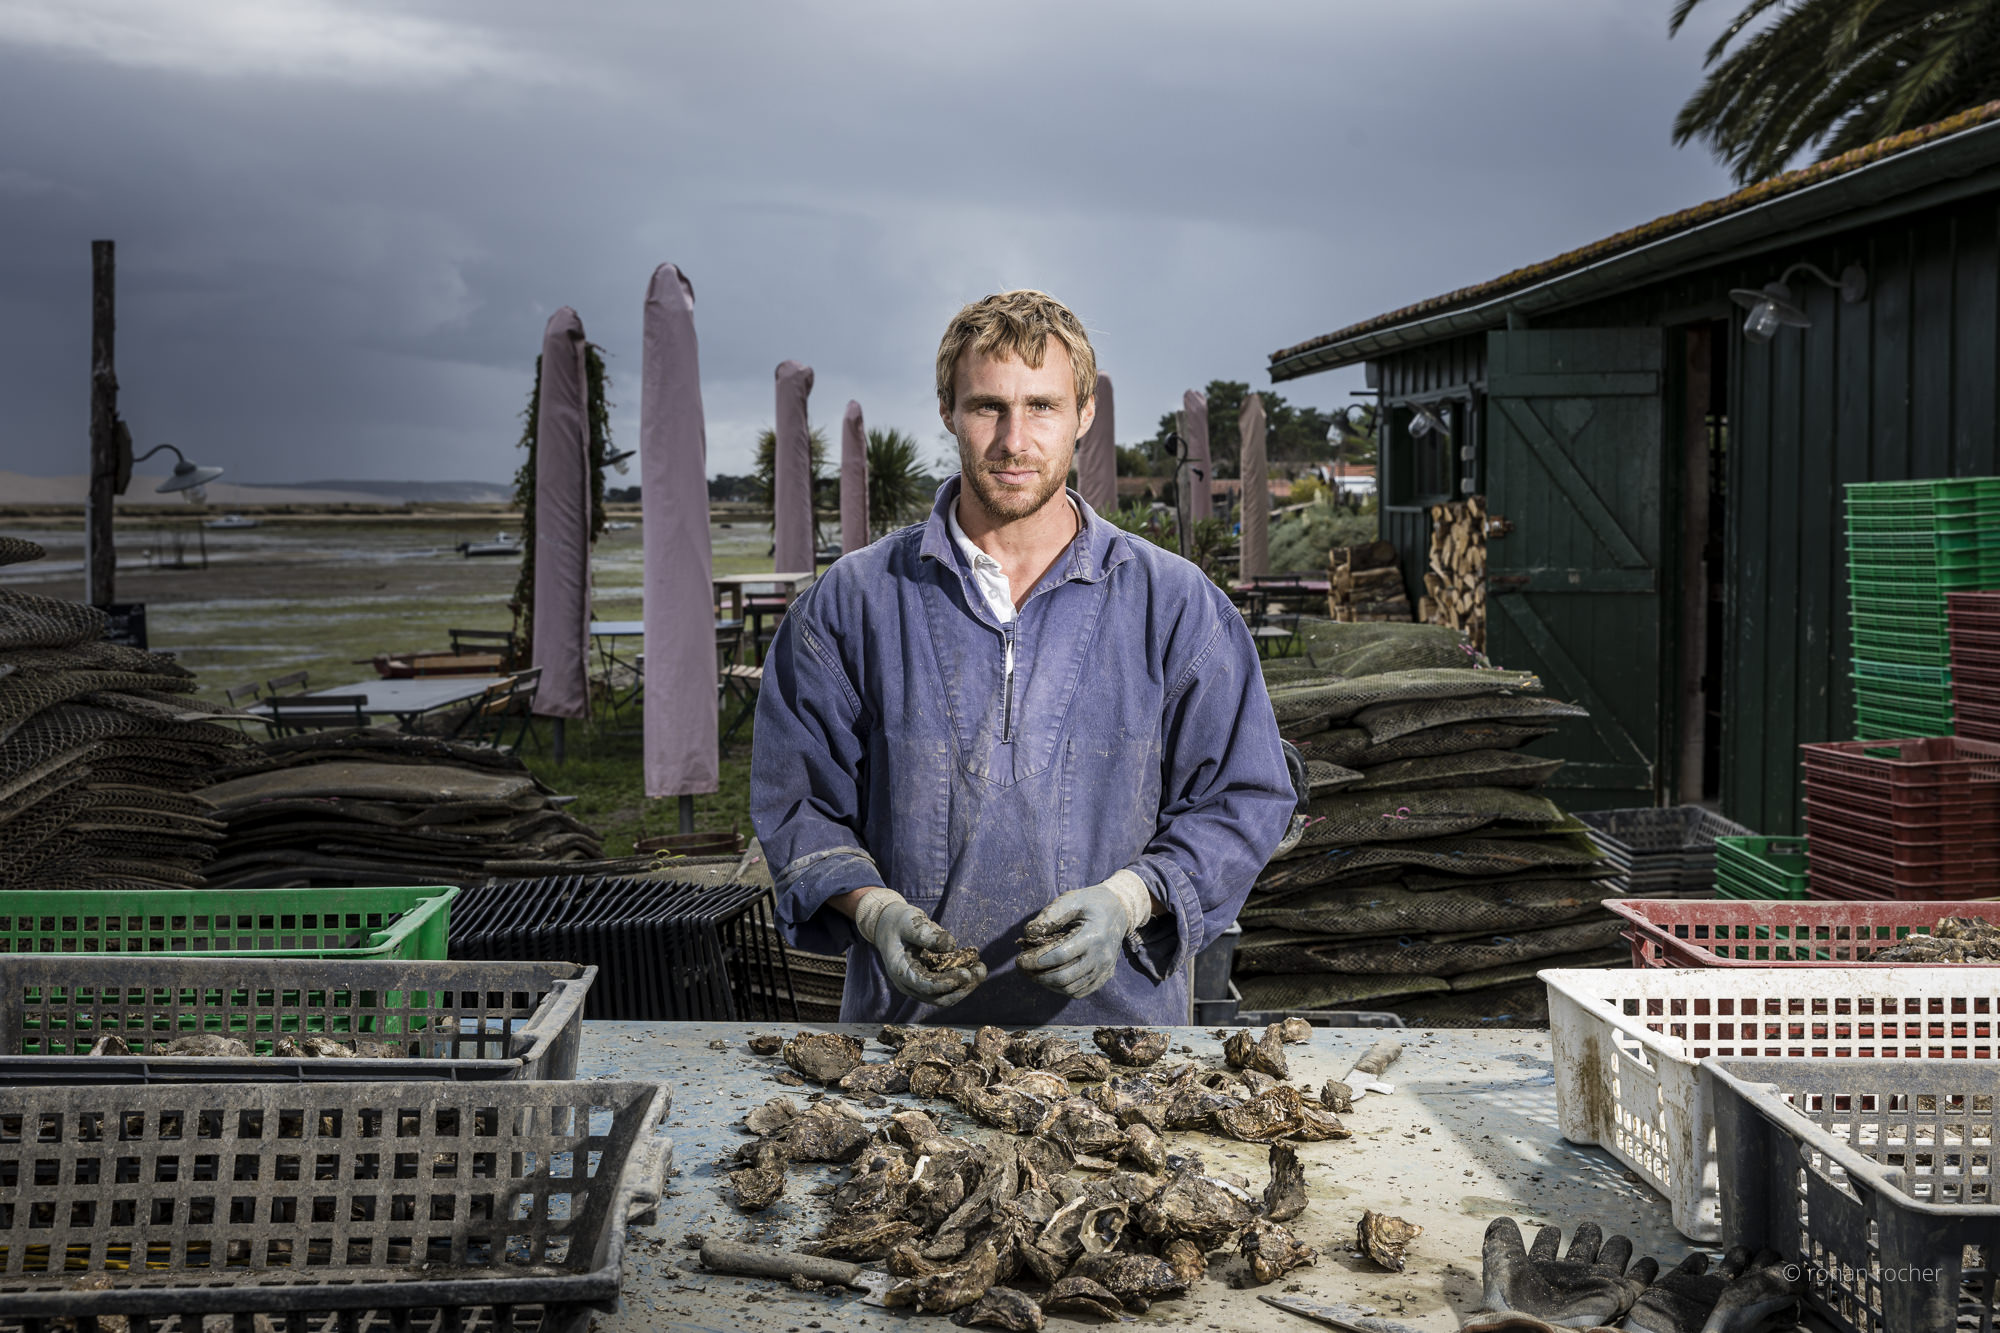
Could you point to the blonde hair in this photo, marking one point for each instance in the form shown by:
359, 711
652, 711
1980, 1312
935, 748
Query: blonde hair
1017, 323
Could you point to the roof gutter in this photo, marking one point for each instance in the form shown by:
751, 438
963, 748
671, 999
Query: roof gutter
1943, 161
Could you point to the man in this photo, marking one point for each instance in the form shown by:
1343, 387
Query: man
1014, 722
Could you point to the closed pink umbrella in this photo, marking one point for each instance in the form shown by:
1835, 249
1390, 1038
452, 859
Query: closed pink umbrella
853, 480
680, 741
1097, 455
791, 474
1194, 430
561, 646
1254, 547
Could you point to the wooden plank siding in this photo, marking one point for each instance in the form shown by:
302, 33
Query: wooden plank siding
1453, 367
1905, 384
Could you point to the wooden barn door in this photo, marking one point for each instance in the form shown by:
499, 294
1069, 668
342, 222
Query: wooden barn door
1575, 461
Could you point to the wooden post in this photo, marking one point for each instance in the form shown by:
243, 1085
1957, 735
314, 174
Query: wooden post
100, 556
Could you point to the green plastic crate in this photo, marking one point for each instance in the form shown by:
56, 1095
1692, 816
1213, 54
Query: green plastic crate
408, 923
1875, 723
1870, 541
1891, 647
1906, 563
1927, 490
1761, 868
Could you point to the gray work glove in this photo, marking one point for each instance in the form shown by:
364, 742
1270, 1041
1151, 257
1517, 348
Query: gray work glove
1742, 1295
1079, 962
1588, 1287
897, 931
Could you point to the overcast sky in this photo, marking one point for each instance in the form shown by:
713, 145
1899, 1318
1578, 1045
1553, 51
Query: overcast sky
341, 226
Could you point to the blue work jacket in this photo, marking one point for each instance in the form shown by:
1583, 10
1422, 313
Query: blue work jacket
892, 747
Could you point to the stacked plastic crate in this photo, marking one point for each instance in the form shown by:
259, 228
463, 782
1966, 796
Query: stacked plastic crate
1910, 544
1753, 867
1913, 818
1975, 663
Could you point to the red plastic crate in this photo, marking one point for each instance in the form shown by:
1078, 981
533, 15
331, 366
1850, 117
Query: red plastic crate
1924, 762
1969, 799
1745, 933
1924, 826
1866, 849
1852, 886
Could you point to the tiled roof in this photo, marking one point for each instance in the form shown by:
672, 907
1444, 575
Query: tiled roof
1685, 220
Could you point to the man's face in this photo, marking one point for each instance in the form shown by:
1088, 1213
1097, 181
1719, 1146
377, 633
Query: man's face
1017, 428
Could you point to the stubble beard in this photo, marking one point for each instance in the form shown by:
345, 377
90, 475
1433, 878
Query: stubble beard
1007, 503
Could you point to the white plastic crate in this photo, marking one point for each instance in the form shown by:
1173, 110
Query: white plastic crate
1626, 1045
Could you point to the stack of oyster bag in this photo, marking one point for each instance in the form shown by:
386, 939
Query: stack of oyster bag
1432, 879
101, 749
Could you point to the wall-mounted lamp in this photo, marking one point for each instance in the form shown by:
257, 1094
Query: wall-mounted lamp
619, 459
1773, 307
188, 479
1425, 419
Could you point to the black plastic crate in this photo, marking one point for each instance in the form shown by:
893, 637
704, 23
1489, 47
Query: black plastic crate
1215, 962
665, 949
363, 1206
1875, 1177
452, 1020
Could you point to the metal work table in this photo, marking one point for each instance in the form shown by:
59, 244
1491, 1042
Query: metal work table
1469, 1135
405, 699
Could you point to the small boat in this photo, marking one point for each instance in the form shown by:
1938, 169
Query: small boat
620, 527
502, 544
230, 523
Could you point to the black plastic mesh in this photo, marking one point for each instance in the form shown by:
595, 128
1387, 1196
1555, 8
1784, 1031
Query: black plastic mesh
19, 550
1428, 956
1393, 909
1323, 778
29, 621
1352, 747
1472, 768
1369, 649
1345, 698
1465, 854
1348, 818
1388, 721
1326, 990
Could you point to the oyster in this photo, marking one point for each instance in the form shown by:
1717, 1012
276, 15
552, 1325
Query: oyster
880, 1184
952, 1289
1385, 1239
1084, 1129
766, 1043
1285, 1196
922, 1044
1136, 1279
944, 960
1037, 1206
1002, 1307
1195, 1107
1951, 940
1272, 1251
928, 1077
1047, 1158
1049, 1087
860, 1237
1294, 1030
1279, 1113
1144, 1149
1050, 1052
1081, 1296
1193, 1206
822, 1056
210, 1044
1130, 1046
1189, 1263
772, 1116
1264, 1054
825, 1133
110, 1044
759, 1184
1336, 1096
990, 1043
1083, 1066
866, 1080
963, 1081
1013, 1109
1257, 1082
916, 1131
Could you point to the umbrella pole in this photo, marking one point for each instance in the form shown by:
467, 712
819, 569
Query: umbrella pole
687, 814
557, 743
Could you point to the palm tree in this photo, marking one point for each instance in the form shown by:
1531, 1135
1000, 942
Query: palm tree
1837, 74
898, 487
767, 462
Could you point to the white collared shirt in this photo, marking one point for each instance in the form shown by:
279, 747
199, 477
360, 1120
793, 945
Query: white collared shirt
987, 575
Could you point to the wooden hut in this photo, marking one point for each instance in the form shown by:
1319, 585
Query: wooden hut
1677, 560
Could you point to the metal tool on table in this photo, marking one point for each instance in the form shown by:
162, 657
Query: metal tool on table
1346, 1318
739, 1260
1367, 1073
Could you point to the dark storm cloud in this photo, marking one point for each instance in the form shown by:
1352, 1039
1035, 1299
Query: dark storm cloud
341, 227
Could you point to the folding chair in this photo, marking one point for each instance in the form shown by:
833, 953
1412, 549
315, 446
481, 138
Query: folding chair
317, 712
249, 692
741, 682
295, 680
486, 640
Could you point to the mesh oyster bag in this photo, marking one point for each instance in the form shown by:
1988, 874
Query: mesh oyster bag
1387, 721
1342, 699
1392, 909
1327, 990
1403, 814
1369, 649
1352, 747
1462, 854
1469, 768
29, 621
1426, 956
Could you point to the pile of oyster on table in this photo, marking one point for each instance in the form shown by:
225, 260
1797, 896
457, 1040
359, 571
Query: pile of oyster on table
1089, 1199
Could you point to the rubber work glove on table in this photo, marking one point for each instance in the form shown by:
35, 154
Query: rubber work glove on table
1091, 925
1742, 1295
897, 931
1589, 1287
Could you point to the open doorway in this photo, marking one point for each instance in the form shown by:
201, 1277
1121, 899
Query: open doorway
1704, 490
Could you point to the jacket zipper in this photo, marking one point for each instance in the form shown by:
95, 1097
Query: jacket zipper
1007, 667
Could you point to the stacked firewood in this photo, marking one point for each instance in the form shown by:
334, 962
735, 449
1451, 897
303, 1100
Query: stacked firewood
1456, 580
1365, 583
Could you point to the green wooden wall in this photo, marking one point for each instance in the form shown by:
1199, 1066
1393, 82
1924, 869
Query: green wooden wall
1905, 384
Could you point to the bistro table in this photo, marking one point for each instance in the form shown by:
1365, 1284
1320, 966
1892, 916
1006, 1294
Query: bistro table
405, 700
1468, 1135
784, 586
